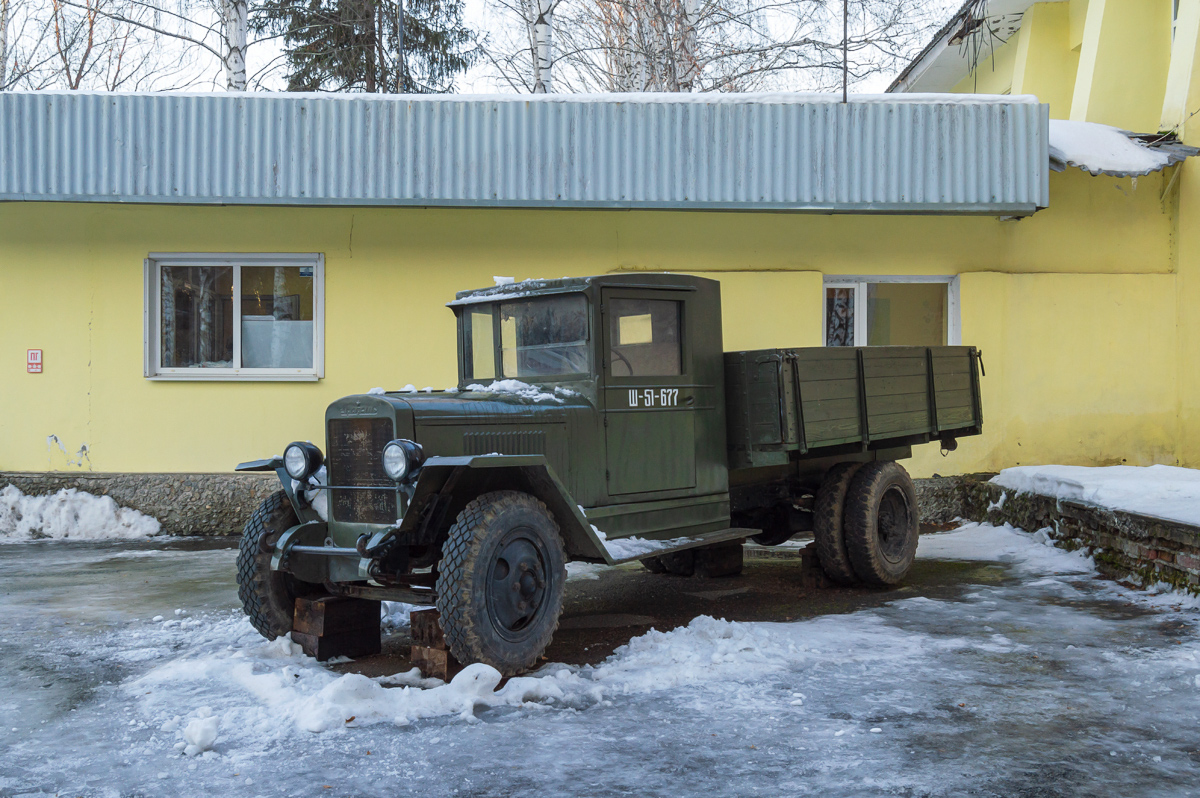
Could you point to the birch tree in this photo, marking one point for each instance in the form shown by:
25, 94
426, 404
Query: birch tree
703, 45
235, 28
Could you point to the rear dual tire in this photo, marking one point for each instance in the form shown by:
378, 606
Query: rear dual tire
866, 523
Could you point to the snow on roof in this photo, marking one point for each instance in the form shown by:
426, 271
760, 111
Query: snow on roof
1101, 149
647, 97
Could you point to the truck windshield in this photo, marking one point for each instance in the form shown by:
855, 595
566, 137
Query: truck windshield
544, 336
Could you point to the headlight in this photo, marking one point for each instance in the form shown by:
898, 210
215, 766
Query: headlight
301, 459
401, 458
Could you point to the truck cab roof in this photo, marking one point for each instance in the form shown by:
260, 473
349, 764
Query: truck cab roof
526, 288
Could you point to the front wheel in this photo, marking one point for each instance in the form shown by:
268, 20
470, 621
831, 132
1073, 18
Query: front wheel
882, 523
268, 597
500, 581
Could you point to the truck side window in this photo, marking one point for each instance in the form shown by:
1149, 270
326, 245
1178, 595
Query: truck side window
482, 356
644, 338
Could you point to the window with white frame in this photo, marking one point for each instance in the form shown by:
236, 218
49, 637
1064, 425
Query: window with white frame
234, 316
891, 311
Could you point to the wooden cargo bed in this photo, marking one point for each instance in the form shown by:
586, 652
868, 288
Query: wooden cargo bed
822, 401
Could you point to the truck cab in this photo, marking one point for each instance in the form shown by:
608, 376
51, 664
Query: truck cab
635, 364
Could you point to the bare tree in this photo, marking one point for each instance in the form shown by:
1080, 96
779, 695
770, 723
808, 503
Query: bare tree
701, 45
89, 44
3, 41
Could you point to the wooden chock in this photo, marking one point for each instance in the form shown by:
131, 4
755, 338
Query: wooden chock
429, 650
337, 626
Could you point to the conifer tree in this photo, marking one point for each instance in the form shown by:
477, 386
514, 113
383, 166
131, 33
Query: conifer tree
394, 46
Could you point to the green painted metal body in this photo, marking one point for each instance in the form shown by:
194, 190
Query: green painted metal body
699, 455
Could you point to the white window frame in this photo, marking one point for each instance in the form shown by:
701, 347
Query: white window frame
152, 365
859, 284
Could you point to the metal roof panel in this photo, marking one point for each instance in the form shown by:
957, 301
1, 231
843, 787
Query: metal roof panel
882, 153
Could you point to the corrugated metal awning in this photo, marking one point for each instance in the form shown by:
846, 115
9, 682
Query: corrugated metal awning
876, 154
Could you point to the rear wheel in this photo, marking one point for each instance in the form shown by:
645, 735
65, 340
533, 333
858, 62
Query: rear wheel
500, 581
882, 523
828, 523
269, 597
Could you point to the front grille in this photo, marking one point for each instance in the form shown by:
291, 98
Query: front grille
356, 459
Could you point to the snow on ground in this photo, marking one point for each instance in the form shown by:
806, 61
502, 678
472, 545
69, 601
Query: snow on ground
1160, 491
1031, 676
69, 514
585, 570
1097, 148
1029, 554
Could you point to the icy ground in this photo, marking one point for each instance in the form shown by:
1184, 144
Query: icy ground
1033, 678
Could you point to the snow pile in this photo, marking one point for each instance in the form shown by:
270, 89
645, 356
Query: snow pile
271, 690
69, 514
1100, 148
1158, 491
522, 390
1029, 554
201, 732
628, 548
585, 570
503, 280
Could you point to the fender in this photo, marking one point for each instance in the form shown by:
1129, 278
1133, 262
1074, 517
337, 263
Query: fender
446, 484
304, 511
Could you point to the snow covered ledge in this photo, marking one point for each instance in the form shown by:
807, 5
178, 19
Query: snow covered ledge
184, 504
1139, 524
1101, 149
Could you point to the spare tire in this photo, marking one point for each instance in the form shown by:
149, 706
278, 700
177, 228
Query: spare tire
828, 513
882, 523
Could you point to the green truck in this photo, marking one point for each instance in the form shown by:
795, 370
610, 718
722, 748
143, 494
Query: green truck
599, 419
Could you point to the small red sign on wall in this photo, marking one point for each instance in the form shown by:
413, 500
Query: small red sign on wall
33, 361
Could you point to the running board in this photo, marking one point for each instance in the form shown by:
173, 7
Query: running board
633, 549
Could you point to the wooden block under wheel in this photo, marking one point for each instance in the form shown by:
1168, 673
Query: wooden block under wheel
354, 643
427, 630
435, 663
334, 615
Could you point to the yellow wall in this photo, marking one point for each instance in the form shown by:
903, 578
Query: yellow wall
1123, 64
994, 74
1075, 310
1045, 63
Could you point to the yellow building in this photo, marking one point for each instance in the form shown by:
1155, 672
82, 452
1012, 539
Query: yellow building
937, 226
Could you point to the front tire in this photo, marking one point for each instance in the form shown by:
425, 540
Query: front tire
882, 523
500, 582
268, 597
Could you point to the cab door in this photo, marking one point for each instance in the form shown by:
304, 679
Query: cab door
650, 419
